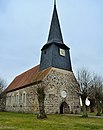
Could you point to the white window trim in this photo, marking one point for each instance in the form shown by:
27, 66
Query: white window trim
17, 99
12, 98
24, 93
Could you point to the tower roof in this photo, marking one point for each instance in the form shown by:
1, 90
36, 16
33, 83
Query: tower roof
55, 34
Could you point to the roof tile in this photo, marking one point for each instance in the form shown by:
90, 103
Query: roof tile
25, 79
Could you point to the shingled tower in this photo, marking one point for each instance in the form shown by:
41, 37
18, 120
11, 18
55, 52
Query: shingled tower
55, 53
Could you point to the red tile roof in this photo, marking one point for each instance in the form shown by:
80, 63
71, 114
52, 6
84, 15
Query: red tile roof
25, 79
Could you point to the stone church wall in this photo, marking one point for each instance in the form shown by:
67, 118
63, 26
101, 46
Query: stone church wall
22, 100
57, 81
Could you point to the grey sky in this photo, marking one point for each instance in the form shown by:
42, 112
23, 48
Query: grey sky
24, 26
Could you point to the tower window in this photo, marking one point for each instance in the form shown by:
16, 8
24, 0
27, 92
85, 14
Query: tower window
44, 52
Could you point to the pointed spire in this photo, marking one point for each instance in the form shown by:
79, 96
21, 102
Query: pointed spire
55, 34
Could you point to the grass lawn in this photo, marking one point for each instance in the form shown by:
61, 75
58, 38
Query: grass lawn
19, 121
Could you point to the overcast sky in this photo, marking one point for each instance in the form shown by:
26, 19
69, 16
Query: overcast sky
24, 26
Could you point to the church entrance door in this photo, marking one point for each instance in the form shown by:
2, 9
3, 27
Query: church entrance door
64, 108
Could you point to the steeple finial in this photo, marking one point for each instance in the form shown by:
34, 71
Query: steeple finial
54, 2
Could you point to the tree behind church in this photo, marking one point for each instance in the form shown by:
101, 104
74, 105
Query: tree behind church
96, 92
84, 80
2, 85
91, 86
2, 94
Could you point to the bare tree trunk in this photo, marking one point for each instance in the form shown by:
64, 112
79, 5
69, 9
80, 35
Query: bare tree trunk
41, 97
92, 105
102, 109
41, 114
98, 107
84, 107
3, 103
102, 106
92, 109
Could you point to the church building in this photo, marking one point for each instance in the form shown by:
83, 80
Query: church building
54, 73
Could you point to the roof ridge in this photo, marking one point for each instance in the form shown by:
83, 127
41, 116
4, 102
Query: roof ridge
28, 70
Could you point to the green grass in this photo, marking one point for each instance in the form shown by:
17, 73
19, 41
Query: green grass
19, 121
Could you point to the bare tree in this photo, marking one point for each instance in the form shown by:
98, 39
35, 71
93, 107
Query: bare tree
84, 80
36, 98
41, 98
91, 93
102, 102
2, 85
2, 95
92, 104
91, 86
97, 91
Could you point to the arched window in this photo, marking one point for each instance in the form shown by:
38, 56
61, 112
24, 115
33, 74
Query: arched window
9, 99
17, 98
12, 99
24, 97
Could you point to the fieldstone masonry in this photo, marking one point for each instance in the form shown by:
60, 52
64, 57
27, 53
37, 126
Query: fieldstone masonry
55, 82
